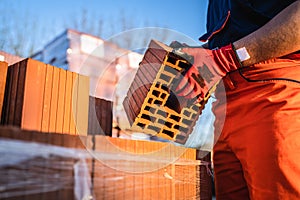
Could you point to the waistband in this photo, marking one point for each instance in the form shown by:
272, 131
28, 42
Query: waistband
275, 69
287, 67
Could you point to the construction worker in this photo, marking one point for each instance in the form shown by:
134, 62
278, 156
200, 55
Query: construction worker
253, 48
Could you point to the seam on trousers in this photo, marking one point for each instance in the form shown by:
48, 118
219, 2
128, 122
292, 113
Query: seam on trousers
269, 80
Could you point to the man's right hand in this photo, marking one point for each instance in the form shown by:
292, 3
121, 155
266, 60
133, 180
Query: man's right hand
209, 67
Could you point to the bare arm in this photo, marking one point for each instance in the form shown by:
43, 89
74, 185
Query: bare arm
279, 37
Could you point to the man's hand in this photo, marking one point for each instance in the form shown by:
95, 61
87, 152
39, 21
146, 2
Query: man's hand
209, 67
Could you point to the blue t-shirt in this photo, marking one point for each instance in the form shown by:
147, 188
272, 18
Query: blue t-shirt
230, 20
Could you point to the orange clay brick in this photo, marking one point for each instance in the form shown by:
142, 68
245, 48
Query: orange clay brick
152, 106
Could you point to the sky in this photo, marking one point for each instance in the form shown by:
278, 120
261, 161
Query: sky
55, 16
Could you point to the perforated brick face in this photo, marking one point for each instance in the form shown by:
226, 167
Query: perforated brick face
151, 104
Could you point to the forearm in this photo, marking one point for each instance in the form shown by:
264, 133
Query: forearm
279, 37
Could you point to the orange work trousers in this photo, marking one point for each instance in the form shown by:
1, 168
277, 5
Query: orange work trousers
257, 132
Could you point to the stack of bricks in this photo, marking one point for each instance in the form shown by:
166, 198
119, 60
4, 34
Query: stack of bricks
38, 177
45, 98
100, 116
120, 169
3, 73
151, 105
155, 171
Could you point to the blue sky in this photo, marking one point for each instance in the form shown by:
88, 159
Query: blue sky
185, 17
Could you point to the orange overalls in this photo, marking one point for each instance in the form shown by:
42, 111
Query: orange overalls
257, 150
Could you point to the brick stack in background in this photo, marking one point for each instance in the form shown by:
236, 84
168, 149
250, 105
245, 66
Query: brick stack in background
9, 58
151, 106
3, 73
44, 98
100, 116
144, 177
122, 169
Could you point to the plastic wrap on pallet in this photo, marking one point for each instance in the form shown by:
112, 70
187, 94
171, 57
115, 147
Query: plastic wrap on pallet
28, 160
35, 168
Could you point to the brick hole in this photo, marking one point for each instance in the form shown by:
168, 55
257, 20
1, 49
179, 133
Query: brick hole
163, 95
172, 60
184, 65
165, 88
176, 127
147, 108
169, 133
196, 108
160, 121
156, 93
180, 137
141, 125
187, 122
150, 100
162, 113
170, 70
158, 102
176, 118
169, 124
147, 117
186, 113
154, 128
152, 110
165, 77
182, 129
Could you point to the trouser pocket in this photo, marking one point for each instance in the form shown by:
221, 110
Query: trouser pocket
273, 70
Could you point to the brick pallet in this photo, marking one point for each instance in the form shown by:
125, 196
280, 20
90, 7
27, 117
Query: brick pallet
3, 73
100, 116
151, 105
44, 98
113, 173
